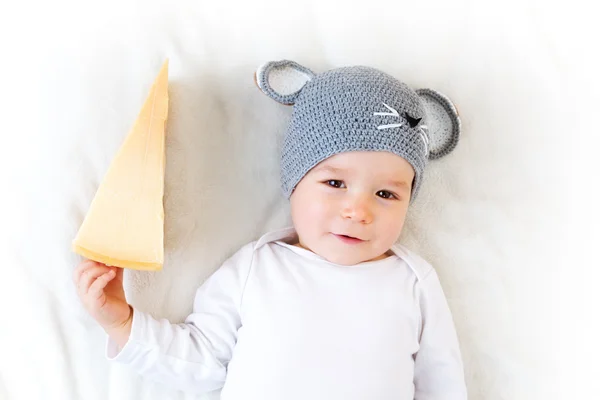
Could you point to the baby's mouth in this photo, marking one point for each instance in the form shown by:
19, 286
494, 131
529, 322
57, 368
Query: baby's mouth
348, 239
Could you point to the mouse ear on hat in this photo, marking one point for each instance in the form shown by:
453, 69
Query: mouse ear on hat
282, 80
443, 123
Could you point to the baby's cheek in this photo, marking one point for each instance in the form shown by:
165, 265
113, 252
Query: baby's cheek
393, 226
305, 215
320, 207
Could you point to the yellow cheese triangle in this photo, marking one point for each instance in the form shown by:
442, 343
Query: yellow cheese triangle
124, 226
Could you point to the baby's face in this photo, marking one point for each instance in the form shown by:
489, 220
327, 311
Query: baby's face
351, 207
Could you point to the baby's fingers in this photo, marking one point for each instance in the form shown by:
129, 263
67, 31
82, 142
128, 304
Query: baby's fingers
83, 267
88, 277
118, 272
97, 287
80, 270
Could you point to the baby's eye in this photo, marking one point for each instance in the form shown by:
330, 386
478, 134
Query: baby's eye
385, 194
335, 183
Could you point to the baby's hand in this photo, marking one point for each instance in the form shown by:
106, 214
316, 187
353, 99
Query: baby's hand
100, 289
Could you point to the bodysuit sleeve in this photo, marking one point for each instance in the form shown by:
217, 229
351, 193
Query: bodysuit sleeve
439, 371
193, 355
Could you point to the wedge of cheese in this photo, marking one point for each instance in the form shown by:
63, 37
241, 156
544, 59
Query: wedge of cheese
124, 225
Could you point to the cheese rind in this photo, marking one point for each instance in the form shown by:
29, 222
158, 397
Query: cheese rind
115, 262
124, 225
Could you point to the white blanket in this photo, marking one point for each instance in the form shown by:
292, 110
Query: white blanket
492, 217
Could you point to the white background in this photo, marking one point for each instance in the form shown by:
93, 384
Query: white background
509, 219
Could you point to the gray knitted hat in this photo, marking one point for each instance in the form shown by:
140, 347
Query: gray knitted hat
356, 109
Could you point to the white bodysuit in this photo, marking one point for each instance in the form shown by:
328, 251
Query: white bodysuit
278, 322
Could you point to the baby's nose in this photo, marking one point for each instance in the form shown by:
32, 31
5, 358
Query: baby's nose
358, 209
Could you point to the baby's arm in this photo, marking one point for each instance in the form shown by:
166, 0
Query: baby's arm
193, 355
438, 366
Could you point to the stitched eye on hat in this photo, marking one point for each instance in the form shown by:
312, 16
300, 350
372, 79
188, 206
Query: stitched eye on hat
412, 121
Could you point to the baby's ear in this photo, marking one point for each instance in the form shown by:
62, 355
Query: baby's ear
443, 123
282, 80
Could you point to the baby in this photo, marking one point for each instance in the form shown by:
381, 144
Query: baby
332, 308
